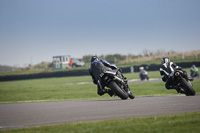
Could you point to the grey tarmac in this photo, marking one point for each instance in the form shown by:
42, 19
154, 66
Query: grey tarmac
23, 115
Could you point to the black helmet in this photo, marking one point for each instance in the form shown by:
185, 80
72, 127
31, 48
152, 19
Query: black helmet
165, 60
94, 58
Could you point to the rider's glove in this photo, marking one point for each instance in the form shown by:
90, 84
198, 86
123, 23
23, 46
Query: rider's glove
171, 75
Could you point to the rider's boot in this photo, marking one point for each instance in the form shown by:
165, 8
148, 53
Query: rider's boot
173, 87
180, 90
190, 79
187, 77
110, 92
127, 89
101, 91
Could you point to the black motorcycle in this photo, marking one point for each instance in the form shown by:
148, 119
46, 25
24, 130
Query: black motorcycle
184, 84
117, 83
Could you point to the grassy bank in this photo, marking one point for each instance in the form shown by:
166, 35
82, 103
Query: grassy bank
177, 123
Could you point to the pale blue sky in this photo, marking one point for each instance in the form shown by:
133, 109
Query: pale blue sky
32, 31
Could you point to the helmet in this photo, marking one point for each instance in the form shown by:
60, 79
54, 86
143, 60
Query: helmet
94, 58
165, 60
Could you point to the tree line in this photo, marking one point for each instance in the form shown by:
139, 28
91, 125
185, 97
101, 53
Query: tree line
118, 58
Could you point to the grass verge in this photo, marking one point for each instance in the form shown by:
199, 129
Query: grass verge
58, 90
62, 89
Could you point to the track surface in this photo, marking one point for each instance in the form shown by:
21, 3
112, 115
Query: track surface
22, 115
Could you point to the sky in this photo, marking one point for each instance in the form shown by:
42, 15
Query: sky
32, 31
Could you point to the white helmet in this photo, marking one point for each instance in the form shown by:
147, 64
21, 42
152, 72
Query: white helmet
165, 60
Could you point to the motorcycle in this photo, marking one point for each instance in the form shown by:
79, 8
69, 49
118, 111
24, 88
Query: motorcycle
183, 83
117, 83
143, 75
194, 73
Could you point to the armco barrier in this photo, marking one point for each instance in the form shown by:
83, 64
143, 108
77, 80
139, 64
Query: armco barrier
44, 75
152, 67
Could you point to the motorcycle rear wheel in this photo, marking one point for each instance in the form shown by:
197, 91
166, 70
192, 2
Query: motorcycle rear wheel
189, 91
118, 91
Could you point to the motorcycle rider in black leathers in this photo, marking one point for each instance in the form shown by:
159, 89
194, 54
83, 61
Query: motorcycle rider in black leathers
96, 68
167, 70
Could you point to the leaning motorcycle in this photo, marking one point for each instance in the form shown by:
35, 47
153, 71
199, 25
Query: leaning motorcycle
117, 83
183, 83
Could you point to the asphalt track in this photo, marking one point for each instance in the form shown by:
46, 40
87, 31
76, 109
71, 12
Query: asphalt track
22, 115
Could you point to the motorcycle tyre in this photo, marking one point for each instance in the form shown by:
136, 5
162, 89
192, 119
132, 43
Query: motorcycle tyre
131, 96
189, 91
118, 91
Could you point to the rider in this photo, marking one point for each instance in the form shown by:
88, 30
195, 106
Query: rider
194, 71
143, 74
167, 70
96, 68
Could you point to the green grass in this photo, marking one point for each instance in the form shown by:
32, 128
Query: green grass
175, 123
43, 90
63, 89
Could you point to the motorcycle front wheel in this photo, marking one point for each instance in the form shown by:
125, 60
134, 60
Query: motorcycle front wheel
118, 91
189, 91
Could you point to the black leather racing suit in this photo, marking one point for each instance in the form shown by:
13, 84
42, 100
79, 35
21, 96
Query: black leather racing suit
165, 72
96, 68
